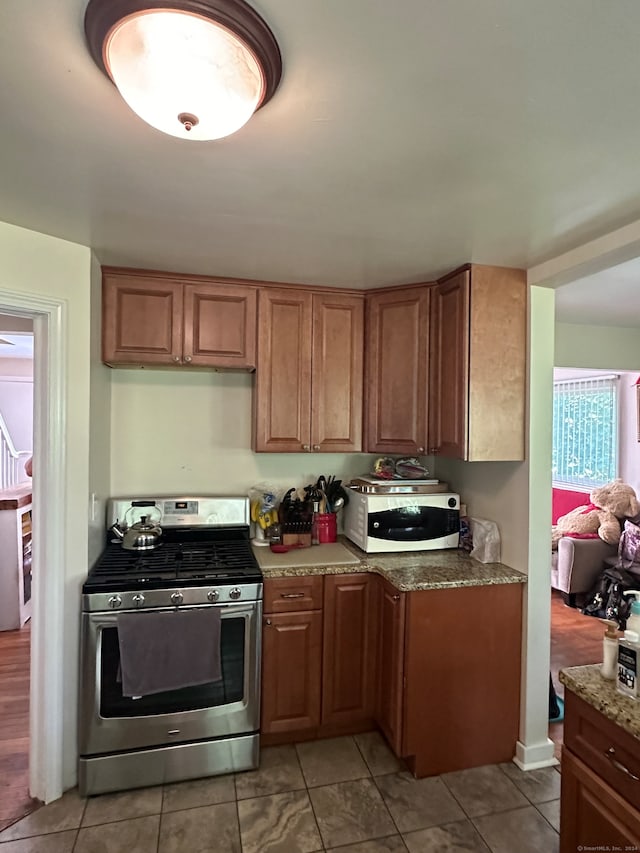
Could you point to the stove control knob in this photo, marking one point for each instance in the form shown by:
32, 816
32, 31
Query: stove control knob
138, 599
213, 595
177, 598
114, 601
235, 593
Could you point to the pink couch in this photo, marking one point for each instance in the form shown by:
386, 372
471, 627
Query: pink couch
564, 500
577, 563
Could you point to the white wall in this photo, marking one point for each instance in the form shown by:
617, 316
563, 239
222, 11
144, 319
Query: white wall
99, 425
35, 264
189, 431
16, 404
607, 347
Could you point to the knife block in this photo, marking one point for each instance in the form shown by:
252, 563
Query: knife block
299, 540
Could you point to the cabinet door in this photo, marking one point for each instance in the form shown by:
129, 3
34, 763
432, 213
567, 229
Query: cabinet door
592, 815
349, 654
449, 367
397, 349
141, 320
220, 325
282, 397
462, 689
337, 373
291, 671
390, 698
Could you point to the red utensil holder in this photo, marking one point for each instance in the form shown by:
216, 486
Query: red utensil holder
327, 527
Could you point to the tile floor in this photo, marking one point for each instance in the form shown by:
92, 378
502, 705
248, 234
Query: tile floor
347, 794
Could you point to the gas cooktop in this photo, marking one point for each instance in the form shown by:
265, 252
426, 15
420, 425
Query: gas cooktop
204, 543
186, 562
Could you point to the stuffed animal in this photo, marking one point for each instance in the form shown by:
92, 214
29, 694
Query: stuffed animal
609, 503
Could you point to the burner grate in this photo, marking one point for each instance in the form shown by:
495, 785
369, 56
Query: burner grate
174, 563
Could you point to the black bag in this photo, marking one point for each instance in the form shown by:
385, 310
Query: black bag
606, 599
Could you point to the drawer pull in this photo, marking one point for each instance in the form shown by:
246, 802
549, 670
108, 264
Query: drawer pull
292, 595
619, 766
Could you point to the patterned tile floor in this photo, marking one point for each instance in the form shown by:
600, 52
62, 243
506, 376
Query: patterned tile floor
347, 794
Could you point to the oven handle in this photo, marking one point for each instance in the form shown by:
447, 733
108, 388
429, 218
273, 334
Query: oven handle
227, 611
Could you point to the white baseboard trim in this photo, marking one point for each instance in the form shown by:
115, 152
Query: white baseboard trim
534, 757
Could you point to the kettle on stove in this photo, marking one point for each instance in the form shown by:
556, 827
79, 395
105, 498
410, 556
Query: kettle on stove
141, 536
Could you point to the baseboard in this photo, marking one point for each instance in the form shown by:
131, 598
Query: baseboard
533, 757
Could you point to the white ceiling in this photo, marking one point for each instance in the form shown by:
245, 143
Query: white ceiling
405, 139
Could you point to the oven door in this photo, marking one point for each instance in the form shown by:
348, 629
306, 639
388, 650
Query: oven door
110, 722
413, 523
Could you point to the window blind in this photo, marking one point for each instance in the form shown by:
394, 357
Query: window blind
585, 431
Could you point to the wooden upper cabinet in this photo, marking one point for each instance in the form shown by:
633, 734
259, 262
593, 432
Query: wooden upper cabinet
449, 366
397, 348
141, 320
478, 365
282, 414
308, 395
337, 373
220, 325
349, 651
161, 319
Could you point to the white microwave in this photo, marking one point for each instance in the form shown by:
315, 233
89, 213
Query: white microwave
405, 522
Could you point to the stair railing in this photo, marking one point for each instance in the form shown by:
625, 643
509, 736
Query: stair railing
12, 461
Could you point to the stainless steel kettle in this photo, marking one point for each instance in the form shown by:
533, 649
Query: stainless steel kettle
144, 535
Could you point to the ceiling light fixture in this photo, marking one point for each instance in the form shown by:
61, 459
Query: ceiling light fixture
196, 69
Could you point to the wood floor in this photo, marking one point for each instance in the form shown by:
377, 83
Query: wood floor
14, 725
575, 640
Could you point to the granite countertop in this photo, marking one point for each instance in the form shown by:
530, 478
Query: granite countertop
588, 684
408, 571
16, 497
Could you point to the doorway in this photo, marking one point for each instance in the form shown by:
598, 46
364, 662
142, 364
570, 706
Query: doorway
16, 426
46, 663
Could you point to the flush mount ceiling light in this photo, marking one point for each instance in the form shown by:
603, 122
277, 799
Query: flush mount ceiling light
196, 69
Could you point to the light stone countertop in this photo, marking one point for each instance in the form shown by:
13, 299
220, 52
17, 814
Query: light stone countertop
409, 571
588, 684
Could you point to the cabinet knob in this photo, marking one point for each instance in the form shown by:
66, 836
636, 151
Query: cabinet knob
306, 447
396, 598
187, 359
316, 447
267, 622
434, 450
421, 450
176, 358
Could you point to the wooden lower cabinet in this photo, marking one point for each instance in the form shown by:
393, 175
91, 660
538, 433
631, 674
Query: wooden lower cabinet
349, 650
600, 796
462, 677
438, 671
593, 815
291, 671
390, 681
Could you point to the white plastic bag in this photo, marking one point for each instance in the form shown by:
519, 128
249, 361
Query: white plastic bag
486, 540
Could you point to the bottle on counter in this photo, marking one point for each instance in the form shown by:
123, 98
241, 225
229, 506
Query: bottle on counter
315, 535
628, 653
609, 668
633, 622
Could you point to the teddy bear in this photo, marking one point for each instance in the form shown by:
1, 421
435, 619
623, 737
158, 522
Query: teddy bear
609, 503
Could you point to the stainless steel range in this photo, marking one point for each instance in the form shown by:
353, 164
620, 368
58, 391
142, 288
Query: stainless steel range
202, 559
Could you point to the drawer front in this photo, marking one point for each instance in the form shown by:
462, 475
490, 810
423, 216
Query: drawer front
608, 750
282, 595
